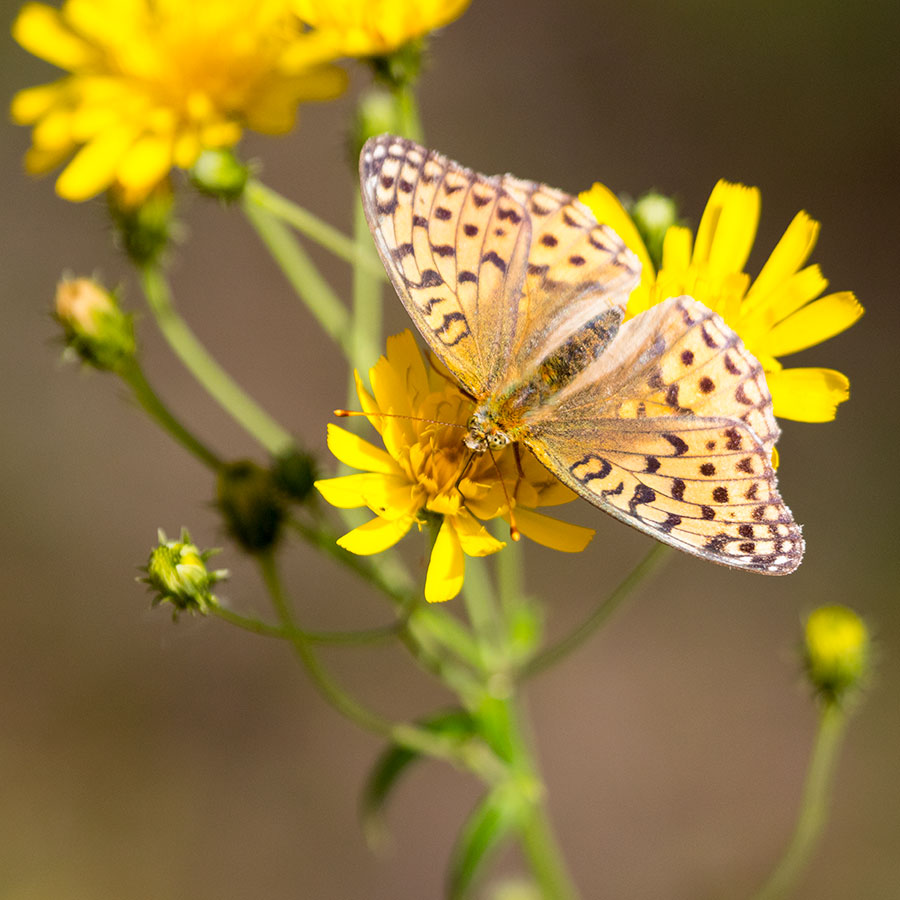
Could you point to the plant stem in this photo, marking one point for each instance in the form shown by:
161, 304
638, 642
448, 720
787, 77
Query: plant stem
468, 757
814, 806
134, 377
366, 318
200, 363
306, 280
262, 197
334, 638
554, 653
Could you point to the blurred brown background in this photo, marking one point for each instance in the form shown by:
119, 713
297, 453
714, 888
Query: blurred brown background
139, 759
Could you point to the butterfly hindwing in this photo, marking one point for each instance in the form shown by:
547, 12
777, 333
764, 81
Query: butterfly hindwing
672, 431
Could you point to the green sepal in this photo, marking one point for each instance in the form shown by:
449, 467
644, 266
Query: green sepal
395, 761
484, 831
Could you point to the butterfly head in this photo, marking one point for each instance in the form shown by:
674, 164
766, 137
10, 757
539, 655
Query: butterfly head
483, 433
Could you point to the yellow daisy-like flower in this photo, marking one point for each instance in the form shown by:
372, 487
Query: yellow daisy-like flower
376, 27
425, 469
153, 83
779, 313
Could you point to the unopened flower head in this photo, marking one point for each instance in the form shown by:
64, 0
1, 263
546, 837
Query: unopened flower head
94, 326
177, 572
778, 313
152, 83
836, 651
425, 472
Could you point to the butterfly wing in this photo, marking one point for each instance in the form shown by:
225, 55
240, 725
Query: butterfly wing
494, 271
672, 431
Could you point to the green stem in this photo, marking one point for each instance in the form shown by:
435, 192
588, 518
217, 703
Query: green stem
134, 377
814, 806
258, 195
466, 756
408, 120
334, 638
366, 319
301, 272
554, 653
198, 361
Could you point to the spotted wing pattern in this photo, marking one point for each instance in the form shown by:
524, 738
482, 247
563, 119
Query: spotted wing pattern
494, 271
672, 432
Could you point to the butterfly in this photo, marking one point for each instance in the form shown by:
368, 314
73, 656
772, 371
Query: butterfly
663, 421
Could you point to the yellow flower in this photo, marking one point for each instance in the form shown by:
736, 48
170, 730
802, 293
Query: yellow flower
779, 313
153, 83
425, 469
376, 27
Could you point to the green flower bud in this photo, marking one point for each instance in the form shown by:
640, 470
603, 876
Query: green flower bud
177, 572
836, 651
251, 504
294, 473
146, 229
94, 326
219, 173
653, 214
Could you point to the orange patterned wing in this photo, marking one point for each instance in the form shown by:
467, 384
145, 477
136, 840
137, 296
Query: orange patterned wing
494, 271
671, 431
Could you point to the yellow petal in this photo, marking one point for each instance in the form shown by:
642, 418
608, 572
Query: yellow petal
727, 228
807, 395
146, 163
790, 253
784, 298
474, 538
403, 354
551, 532
814, 323
40, 30
354, 451
447, 567
676, 255
375, 536
383, 494
607, 210
29, 105
94, 166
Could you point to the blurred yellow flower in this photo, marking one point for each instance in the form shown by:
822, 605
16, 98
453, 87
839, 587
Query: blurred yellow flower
779, 313
376, 27
425, 469
153, 83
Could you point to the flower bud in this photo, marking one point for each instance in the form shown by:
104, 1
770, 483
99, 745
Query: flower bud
836, 651
251, 505
145, 229
94, 326
653, 214
294, 473
219, 173
177, 572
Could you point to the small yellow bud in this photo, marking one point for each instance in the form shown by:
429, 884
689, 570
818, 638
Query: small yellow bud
836, 650
94, 326
177, 572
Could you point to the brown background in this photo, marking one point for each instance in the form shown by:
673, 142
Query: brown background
141, 760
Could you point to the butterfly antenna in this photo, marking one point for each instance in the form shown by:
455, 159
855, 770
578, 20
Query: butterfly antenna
345, 413
514, 532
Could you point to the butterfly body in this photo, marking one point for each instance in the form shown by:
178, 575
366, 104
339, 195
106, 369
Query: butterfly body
664, 421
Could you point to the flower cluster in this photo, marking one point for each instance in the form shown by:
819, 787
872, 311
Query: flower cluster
779, 313
425, 473
154, 83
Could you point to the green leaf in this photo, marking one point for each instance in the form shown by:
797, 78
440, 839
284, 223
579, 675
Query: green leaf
481, 836
395, 761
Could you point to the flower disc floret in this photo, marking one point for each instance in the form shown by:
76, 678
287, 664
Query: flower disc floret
425, 472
